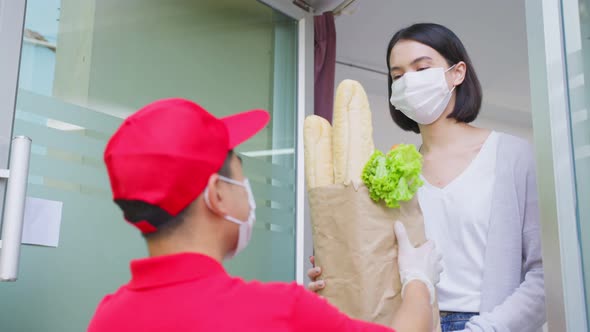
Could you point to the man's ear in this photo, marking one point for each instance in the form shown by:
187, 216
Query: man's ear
215, 196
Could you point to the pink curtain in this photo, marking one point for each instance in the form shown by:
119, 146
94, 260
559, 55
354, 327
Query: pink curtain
325, 64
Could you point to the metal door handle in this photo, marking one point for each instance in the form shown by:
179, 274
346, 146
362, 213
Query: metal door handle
14, 207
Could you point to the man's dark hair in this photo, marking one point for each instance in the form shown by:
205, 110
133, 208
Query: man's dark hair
445, 42
135, 210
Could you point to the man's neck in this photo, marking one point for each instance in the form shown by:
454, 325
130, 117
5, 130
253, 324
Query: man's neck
176, 245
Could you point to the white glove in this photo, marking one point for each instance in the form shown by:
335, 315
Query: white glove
422, 263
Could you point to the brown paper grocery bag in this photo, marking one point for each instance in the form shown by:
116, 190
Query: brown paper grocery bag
355, 245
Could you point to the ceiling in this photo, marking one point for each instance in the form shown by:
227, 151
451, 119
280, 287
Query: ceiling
494, 33
324, 5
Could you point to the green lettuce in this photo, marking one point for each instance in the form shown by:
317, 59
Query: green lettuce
393, 177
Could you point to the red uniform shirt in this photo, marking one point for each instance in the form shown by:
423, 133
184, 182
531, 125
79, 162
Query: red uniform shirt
192, 292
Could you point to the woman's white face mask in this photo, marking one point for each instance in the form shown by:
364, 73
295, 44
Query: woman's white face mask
422, 95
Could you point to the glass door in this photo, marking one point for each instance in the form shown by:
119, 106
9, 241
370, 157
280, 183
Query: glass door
86, 65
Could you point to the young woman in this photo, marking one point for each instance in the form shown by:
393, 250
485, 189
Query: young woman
479, 197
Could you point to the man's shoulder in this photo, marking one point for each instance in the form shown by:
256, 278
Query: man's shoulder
103, 310
272, 300
284, 289
107, 298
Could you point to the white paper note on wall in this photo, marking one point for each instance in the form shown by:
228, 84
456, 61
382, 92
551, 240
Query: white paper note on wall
42, 222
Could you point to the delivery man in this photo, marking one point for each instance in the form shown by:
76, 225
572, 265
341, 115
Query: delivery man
174, 174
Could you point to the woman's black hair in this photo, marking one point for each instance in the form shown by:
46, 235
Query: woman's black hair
446, 43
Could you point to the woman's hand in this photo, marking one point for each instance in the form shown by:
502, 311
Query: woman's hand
314, 273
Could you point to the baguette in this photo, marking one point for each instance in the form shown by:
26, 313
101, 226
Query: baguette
353, 132
317, 136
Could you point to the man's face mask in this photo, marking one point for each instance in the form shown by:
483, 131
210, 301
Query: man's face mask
246, 227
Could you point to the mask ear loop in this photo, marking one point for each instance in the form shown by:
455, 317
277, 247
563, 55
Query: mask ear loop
451, 68
251, 198
232, 181
446, 71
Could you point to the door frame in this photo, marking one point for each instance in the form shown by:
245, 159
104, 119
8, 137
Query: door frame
305, 104
564, 283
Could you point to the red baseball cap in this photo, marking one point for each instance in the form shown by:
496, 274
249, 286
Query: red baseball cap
164, 154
